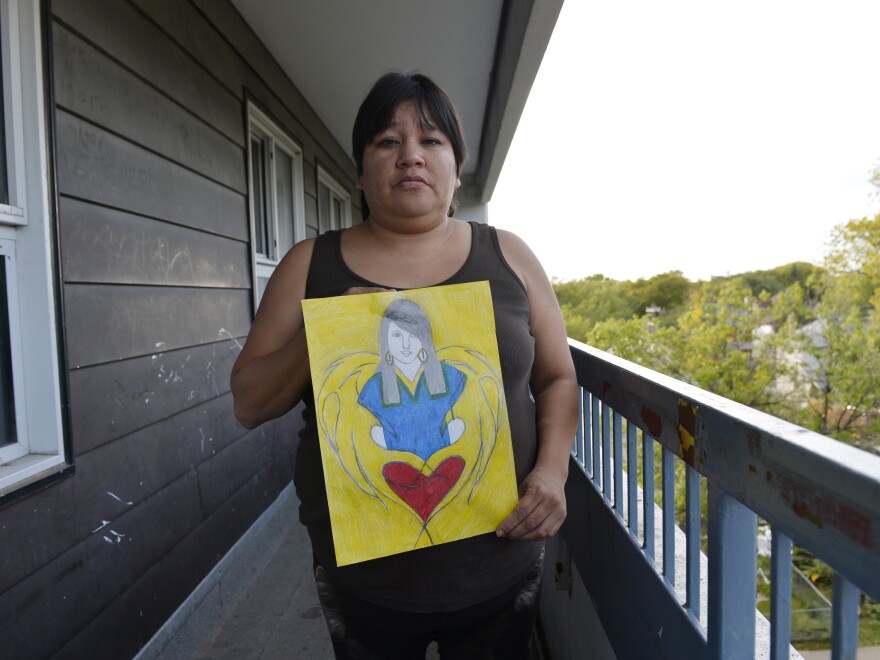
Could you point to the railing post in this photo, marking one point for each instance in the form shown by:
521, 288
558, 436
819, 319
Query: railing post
733, 565
648, 493
844, 619
578, 447
618, 464
693, 537
597, 437
586, 420
668, 488
632, 484
606, 452
780, 595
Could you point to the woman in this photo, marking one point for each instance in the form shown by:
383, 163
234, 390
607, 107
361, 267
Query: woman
478, 596
415, 422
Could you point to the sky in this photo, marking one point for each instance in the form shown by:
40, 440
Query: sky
696, 135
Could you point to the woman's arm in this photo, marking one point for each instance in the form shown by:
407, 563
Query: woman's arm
271, 373
541, 508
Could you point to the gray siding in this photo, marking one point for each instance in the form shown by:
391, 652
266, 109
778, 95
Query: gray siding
150, 139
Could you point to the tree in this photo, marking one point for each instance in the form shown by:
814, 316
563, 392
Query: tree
597, 299
777, 279
842, 344
587, 301
726, 340
668, 291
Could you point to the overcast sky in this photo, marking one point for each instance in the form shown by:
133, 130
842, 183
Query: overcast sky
696, 135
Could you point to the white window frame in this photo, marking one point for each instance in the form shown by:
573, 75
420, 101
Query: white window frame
340, 194
261, 125
26, 246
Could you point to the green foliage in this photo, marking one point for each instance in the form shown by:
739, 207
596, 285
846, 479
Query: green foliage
776, 279
715, 343
590, 300
798, 341
597, 299
668, 291
842, 343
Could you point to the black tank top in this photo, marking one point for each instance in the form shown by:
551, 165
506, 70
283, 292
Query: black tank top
449, 576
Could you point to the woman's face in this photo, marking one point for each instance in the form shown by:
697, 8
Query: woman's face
408, 171
402, 344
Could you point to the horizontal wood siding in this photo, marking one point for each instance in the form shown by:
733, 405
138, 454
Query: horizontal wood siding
88, 83
120, 30
108, 245
111, 400
110, 322
100, 167
155, 257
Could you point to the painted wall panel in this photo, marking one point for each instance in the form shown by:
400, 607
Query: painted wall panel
101, 167
219, 479
104, 245
91, 85
43, 526
65, 594
110, 400
124, 33
113, 480
187, 26
106, 323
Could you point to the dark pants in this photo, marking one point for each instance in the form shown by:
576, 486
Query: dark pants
502, 630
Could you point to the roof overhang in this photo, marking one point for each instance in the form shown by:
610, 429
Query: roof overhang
486, 55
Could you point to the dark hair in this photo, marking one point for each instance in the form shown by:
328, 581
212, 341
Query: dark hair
377, 111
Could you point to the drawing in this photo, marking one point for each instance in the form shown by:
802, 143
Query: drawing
415, 440
412, 392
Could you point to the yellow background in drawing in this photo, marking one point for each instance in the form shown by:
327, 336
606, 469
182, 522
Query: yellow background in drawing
368, 518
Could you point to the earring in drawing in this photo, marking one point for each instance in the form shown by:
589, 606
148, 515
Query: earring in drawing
423, 356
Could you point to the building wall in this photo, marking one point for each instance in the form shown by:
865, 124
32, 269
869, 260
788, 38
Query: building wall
155, 259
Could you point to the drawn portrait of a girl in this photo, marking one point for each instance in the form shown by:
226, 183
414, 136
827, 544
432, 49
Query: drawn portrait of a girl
412, 393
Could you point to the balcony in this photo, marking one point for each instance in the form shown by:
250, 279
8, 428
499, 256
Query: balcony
653, 592
623, 581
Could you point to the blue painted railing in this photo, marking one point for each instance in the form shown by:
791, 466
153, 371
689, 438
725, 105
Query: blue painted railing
819, 493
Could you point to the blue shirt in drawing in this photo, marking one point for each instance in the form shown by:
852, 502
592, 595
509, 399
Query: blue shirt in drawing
418, 423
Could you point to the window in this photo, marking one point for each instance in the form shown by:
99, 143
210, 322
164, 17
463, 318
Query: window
277, 202
334, 204
31, 433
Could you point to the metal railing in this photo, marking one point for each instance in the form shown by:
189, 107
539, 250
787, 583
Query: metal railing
817, 492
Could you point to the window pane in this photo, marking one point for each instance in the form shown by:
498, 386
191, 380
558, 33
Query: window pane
261, 196
7, 397
324, 221
284, 202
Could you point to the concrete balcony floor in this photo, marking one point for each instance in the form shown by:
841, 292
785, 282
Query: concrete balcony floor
260, 603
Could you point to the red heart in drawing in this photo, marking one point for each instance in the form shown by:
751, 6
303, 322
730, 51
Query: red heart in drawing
423, 492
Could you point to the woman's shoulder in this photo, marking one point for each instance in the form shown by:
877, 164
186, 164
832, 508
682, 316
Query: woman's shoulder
520, 258
298, 258
290, 275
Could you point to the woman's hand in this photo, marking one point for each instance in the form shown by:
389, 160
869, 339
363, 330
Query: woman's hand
540, 511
